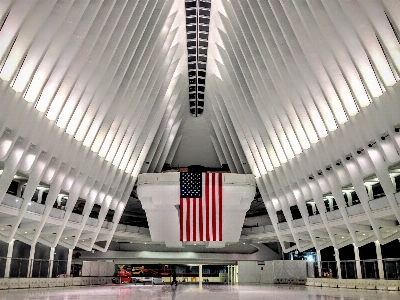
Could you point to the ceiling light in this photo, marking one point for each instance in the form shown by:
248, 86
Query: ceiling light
65, 238
26, 232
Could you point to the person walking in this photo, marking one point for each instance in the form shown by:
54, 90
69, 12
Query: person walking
174, 278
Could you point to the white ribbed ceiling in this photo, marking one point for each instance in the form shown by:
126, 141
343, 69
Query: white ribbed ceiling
293, 88
113, 74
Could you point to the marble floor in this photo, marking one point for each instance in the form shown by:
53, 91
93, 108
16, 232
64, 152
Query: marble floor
193, 292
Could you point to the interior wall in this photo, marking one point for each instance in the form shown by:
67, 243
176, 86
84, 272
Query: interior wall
257, 272
252, 272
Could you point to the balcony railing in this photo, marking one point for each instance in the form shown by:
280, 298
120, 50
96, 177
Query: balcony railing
369, 269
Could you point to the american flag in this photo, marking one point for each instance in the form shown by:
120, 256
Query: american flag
201, 207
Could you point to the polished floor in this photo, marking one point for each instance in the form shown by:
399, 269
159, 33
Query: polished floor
193, 292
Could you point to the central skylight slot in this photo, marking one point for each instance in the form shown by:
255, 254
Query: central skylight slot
197, 29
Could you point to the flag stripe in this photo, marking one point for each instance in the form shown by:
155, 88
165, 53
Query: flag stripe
188, 219
194, 218
201, 219
181, 218
220, 204
207, 207
213, 208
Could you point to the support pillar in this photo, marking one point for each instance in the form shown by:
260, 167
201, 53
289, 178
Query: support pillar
337, 258
235, 275
31, 259
358, 262
40, 196
349, 199
51, 261
380, 261
19, 189
9, 257
393, 179
200, 276
369, 192
313, 208
330, 201
319, 263
70, 251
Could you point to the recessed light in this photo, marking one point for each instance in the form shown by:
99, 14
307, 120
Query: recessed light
363, 233
26, 232
83, 240
342, 237
65, 238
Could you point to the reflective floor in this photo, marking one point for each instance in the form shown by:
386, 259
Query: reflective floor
193, 292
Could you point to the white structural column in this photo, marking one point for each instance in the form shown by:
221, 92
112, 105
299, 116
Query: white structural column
19, 189
358, 263
233, 274
379, 258
70, 251
51, 259
200, 276
235, 277
337, 258
31, 259
9, 257
319, 262
40, 196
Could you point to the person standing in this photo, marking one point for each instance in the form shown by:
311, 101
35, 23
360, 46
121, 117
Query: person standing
174, 278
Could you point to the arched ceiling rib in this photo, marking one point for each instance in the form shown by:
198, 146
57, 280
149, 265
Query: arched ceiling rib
299, 69
303, 94
93, 66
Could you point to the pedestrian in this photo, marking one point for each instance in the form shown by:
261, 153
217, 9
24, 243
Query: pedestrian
174, 278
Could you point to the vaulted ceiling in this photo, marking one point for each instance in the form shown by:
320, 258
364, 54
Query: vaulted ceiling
292, 89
